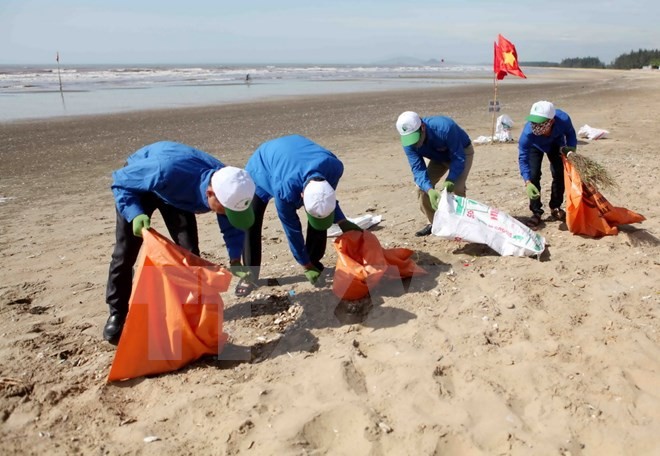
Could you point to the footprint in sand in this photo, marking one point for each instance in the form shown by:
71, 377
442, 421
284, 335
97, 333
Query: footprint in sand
441, 375
22, 294
456, 444
346, 429
354, 378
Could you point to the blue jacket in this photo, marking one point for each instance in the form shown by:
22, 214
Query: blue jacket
445, 143
280, 169
563, 134
177, 174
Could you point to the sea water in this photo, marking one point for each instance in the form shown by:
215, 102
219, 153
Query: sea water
30, 92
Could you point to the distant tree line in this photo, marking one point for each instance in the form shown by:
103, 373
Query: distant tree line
632, 60
582, 62
539, 64
637, 59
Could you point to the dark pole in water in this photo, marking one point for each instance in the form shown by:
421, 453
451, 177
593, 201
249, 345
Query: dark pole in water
58, 69
59, 76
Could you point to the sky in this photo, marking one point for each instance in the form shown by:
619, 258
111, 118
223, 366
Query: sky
319, 31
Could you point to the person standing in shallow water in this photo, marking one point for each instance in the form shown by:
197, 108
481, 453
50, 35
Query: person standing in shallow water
448, 149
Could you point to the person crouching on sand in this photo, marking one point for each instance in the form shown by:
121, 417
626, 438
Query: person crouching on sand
446, 146
179, 181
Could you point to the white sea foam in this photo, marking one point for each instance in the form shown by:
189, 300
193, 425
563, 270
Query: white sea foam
96, 77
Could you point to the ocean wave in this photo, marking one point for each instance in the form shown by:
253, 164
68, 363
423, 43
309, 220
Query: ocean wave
101, 77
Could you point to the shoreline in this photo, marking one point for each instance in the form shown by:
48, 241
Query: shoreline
231, 131
82, 103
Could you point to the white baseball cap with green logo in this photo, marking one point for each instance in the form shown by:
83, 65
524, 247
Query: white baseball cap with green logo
541, 111
409, 127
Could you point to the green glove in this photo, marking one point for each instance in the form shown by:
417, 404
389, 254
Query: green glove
532, 191
434, 196
568, 149
347, 225
141, 222
312, 275
449, 185
239, 270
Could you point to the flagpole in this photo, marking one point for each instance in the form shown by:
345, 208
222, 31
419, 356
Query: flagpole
492, 131
58, 70
59, 76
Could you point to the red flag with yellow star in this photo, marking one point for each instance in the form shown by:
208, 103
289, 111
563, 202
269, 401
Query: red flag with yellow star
506, 59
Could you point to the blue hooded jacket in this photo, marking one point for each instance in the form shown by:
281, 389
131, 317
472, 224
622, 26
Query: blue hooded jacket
445, 143
179, 175
562, 134
280, 169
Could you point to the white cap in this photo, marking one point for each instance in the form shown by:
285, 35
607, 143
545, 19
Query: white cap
541, 111
233, 187
408, 125
320, 202
319, 198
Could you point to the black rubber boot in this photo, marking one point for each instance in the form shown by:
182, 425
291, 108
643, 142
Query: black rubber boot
113, 328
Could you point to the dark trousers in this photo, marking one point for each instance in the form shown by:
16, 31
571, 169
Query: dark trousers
182, 226
557, 170
315, 242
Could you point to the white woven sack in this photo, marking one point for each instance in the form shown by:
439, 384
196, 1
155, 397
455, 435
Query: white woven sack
463, 219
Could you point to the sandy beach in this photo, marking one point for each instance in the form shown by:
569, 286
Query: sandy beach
485, 355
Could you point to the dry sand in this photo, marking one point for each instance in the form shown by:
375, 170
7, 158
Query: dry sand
485, 355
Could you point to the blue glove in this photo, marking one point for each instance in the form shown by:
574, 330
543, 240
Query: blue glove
449, 185
141, 222
566, 150
434, 196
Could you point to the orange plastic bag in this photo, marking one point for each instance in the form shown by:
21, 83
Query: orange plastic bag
362, 263
587, 210
175, 311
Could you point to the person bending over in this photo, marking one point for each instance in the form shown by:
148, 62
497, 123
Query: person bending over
180, 181
448, 150
293, 171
